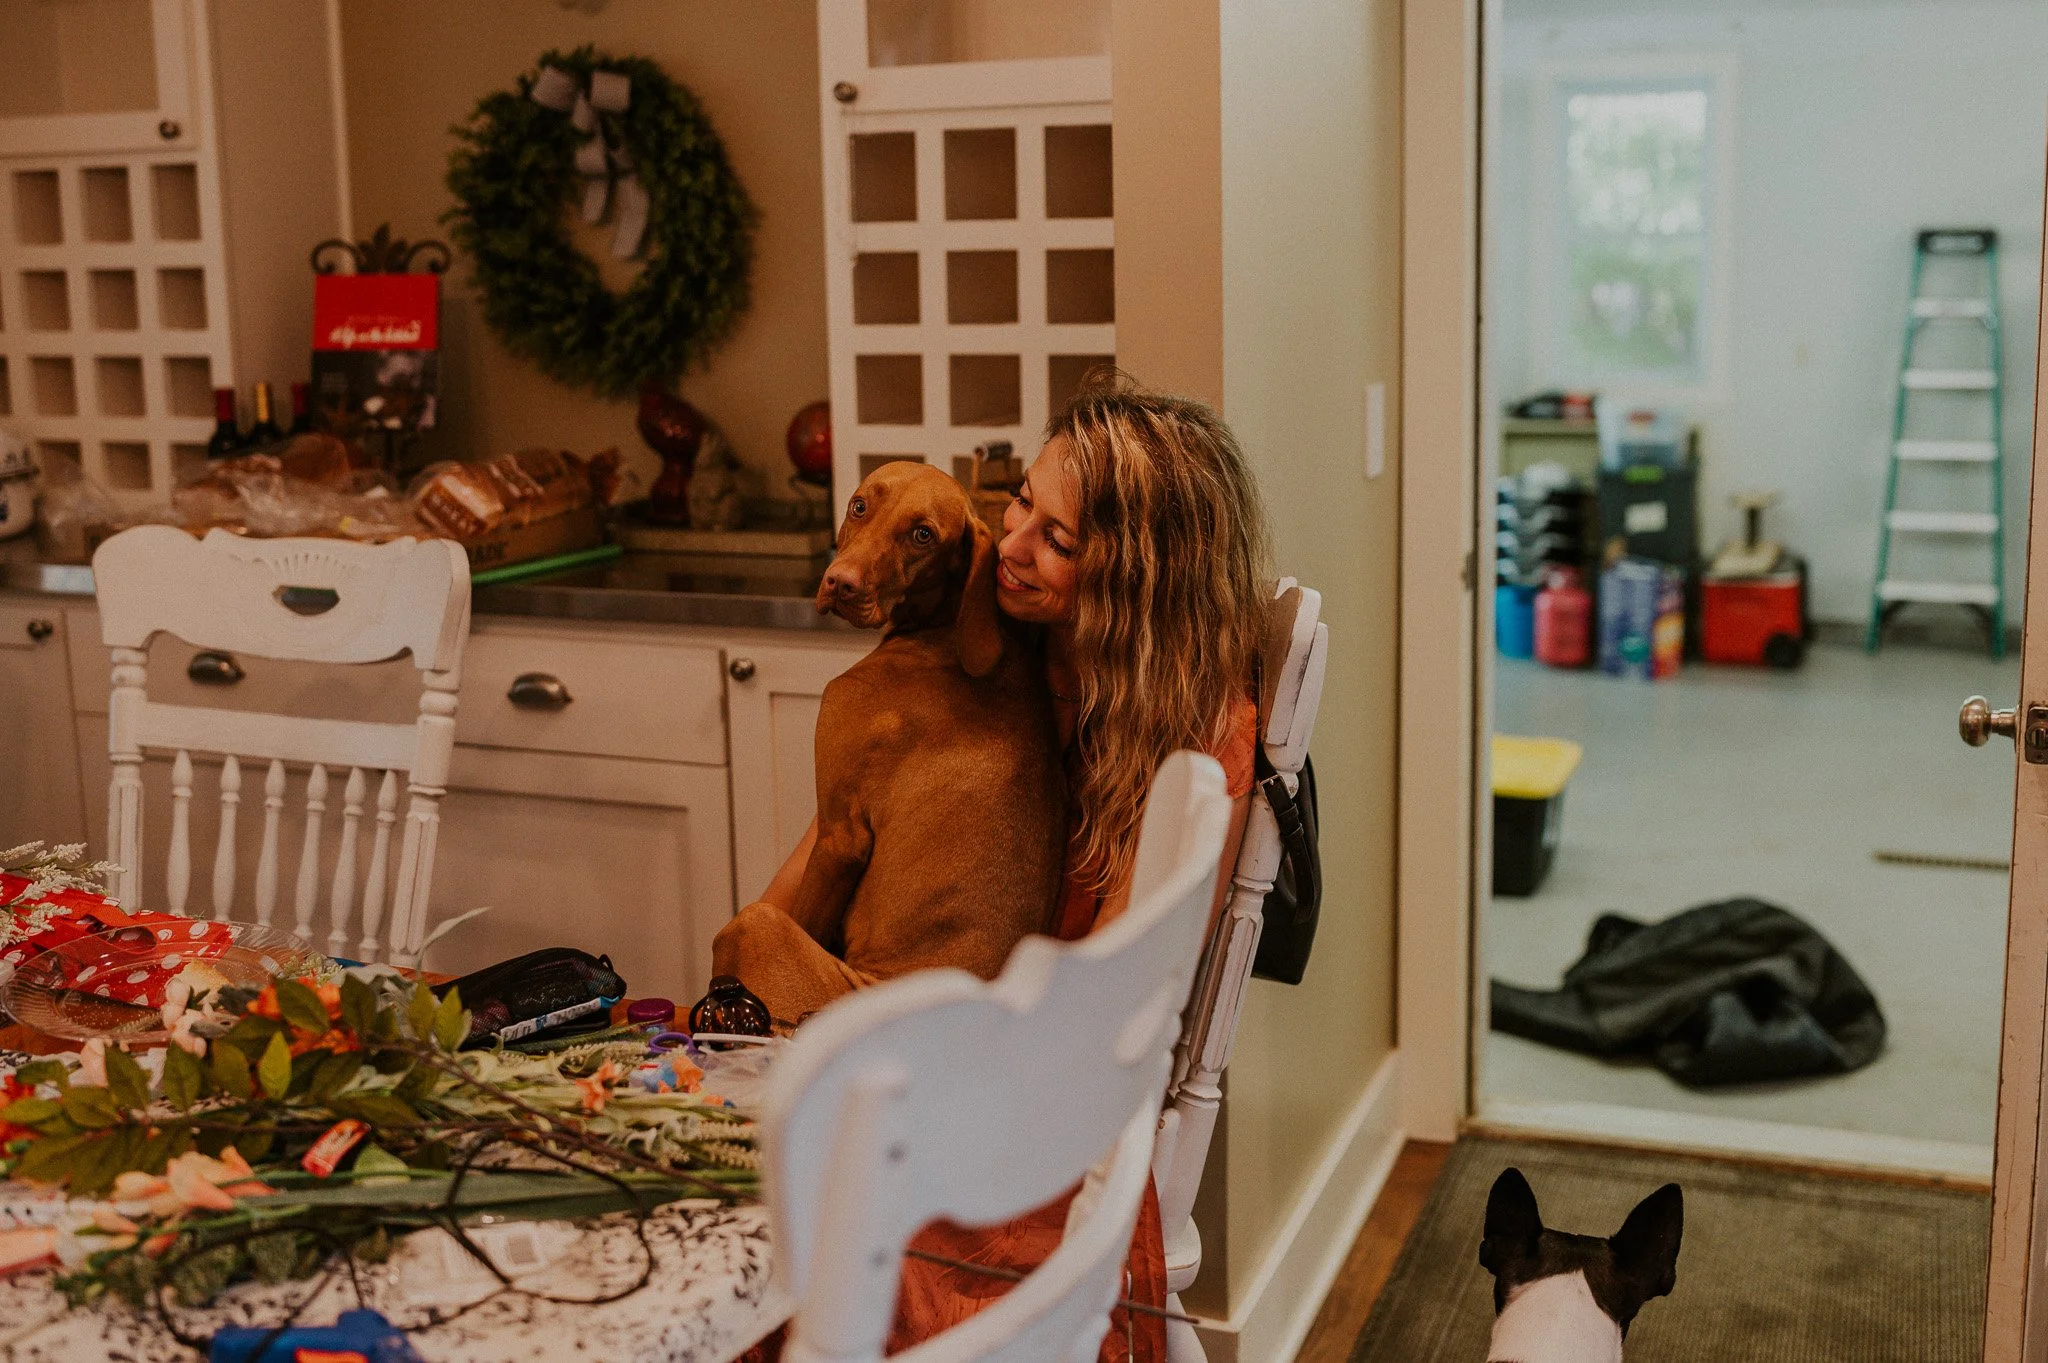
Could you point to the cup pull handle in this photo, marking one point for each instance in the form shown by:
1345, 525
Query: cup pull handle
538, 691
210, 667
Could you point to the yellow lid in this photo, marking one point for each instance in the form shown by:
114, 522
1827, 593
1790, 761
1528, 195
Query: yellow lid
1532, 768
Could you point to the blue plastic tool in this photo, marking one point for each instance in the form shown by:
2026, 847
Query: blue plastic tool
363, 1333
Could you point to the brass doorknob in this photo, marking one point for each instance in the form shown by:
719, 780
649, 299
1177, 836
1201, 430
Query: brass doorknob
1978, 721
740, 669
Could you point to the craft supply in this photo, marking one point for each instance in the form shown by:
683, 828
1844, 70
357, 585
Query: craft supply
730, 1007
327, 1152
363, 1335
546, 567
531, 993
643, 1011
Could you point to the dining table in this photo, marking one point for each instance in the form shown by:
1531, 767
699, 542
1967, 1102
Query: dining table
704, 1291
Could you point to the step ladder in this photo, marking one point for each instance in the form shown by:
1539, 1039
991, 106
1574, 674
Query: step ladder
1955, 471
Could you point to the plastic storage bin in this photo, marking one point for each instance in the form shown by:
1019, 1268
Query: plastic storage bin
1514, 620
1529, 776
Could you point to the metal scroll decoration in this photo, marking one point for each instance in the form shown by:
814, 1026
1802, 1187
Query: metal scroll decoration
609, 137
381, 254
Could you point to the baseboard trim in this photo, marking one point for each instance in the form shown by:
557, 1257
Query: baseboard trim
1610, 1124
1271, 1322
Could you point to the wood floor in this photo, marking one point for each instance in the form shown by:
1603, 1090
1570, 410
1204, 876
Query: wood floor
1371, 1261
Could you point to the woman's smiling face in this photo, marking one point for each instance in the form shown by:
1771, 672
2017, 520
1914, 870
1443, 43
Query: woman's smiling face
1035, 567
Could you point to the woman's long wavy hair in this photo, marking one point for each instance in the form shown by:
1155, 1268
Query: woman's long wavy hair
1171, 591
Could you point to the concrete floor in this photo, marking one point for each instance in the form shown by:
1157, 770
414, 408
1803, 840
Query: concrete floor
1730, 781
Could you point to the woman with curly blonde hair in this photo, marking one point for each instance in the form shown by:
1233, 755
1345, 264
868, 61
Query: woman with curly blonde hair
1138, 542
1137, 546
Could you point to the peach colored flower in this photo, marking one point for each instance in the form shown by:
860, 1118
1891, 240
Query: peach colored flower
688, 1077
92, 1064
157, 1244
597, 1089
27, 1247
192, 1188
112, 1222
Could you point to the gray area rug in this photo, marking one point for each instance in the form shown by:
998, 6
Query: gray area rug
1776, 1267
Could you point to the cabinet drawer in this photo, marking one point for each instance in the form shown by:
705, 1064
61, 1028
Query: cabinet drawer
387, 692
624, 699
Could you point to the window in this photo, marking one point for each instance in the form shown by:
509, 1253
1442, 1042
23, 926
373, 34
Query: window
1631, 249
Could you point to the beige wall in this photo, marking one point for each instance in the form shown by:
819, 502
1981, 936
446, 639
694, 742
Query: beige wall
1258, 260
278, 186
414, 70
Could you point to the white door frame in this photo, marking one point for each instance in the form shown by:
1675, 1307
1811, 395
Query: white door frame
1441, 623
1435, 995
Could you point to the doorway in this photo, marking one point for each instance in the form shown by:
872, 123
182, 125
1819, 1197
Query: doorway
1699, 228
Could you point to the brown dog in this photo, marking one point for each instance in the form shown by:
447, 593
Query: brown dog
940, 801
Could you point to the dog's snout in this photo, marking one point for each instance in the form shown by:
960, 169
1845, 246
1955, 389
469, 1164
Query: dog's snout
842, 579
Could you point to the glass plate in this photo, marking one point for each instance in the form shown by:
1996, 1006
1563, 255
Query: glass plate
52, 992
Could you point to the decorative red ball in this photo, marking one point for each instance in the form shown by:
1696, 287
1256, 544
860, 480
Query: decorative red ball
810, 443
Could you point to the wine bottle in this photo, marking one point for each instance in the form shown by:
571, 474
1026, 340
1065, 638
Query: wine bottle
227, 438
264, 430
302, 409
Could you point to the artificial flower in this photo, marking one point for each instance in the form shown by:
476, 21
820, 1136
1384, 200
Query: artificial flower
597, 1089
184, 1037
92, 1064
27, 1247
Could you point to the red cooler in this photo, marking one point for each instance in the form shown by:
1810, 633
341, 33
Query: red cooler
1760, 621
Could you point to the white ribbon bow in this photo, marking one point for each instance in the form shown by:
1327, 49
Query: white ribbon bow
602, 165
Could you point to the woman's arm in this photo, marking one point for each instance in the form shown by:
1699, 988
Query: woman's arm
781, 891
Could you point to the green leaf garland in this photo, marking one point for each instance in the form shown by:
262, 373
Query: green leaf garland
514, 182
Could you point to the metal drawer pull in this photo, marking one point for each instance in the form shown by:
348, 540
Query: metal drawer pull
740, 669
211, 668
40, 630
538, 691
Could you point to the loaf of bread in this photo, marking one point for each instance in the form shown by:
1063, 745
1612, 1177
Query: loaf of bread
470, 501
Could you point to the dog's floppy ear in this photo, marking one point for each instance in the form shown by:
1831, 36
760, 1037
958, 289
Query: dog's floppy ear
1646, 1246
977, 634
1513, 1223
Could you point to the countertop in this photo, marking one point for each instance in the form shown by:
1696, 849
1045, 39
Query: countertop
722, 591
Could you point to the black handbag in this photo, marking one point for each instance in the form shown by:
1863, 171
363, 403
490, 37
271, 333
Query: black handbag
1296, 898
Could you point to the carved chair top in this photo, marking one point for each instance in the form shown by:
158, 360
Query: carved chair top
309, 600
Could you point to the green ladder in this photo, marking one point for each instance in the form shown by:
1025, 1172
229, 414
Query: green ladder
1946, 460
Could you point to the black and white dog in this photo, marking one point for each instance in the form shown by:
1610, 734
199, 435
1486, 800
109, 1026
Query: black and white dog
1561, 1298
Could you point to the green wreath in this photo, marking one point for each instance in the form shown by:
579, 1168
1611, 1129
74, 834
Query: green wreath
513, 177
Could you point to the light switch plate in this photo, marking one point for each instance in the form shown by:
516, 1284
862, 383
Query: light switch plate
1375, 429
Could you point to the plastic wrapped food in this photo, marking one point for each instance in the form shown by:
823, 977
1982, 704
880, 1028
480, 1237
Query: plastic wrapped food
469, 501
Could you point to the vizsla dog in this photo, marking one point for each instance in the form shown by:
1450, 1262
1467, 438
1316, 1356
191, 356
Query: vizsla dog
941, 820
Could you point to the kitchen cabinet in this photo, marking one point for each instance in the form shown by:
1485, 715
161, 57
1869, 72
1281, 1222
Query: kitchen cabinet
623, 858
40, 792
969, 223
120, 306
772, 692
613, 784
108, 76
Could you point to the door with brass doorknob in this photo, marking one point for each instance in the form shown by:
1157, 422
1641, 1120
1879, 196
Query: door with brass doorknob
2016, 1302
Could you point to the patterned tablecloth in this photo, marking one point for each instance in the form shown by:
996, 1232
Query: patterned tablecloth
707, 1299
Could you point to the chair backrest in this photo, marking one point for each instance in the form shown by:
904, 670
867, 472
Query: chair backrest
303, 600
939, 1095
1291, 691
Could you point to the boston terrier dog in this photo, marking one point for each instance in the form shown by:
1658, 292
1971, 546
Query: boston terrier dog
1561, 1298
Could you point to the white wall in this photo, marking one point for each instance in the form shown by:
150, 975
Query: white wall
1855, 125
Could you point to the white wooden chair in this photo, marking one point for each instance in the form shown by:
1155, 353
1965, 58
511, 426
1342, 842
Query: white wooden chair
938, 1095
1297, 647
309, 600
